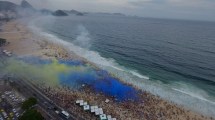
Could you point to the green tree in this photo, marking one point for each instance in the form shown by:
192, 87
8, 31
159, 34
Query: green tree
29, 103
2, 42
31, 114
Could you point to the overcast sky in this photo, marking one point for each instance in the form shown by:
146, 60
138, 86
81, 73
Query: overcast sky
183, 9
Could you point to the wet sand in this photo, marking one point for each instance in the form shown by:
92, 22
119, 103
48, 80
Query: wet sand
24, 43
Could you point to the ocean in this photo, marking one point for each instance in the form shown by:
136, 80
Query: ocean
170, 58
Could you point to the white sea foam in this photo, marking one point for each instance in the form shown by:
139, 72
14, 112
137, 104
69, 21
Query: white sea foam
186, 98
193, 95
139, 75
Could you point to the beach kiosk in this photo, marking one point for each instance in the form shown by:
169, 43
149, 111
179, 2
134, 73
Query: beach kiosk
86, 107
79, 102
109, 117
103, 117
93, 108
98, 111
85, 103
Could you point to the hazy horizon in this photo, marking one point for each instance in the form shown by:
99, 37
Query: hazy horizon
173, 9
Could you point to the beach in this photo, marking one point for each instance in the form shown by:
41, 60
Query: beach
23, 42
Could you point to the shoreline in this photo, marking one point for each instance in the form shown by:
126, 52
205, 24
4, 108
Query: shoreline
24, 43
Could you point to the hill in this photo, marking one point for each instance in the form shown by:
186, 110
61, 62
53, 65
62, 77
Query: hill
25, 4
59, 13
8, 6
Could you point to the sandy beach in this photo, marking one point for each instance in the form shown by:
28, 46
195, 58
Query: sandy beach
22, 42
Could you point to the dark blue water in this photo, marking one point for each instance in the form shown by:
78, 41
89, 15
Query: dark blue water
168, 51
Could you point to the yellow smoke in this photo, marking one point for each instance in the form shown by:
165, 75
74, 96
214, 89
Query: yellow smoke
47, 73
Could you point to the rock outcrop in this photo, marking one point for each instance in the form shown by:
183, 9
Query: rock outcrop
25, 4
59, 13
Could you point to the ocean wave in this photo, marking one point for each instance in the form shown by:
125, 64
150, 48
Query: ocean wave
194, 95
139, 75
176, 95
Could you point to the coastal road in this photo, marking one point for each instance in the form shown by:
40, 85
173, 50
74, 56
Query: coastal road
29, 92
45, 103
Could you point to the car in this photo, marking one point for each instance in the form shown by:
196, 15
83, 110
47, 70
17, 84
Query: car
5, 115
11, 95
7, 92
17, 114
3, 96
11, 114
14, 110
57, 112
55, 108
1, 118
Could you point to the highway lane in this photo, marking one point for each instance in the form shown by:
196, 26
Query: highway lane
43, 102
27, 92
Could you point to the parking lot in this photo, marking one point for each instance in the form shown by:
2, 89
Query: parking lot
10, 103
